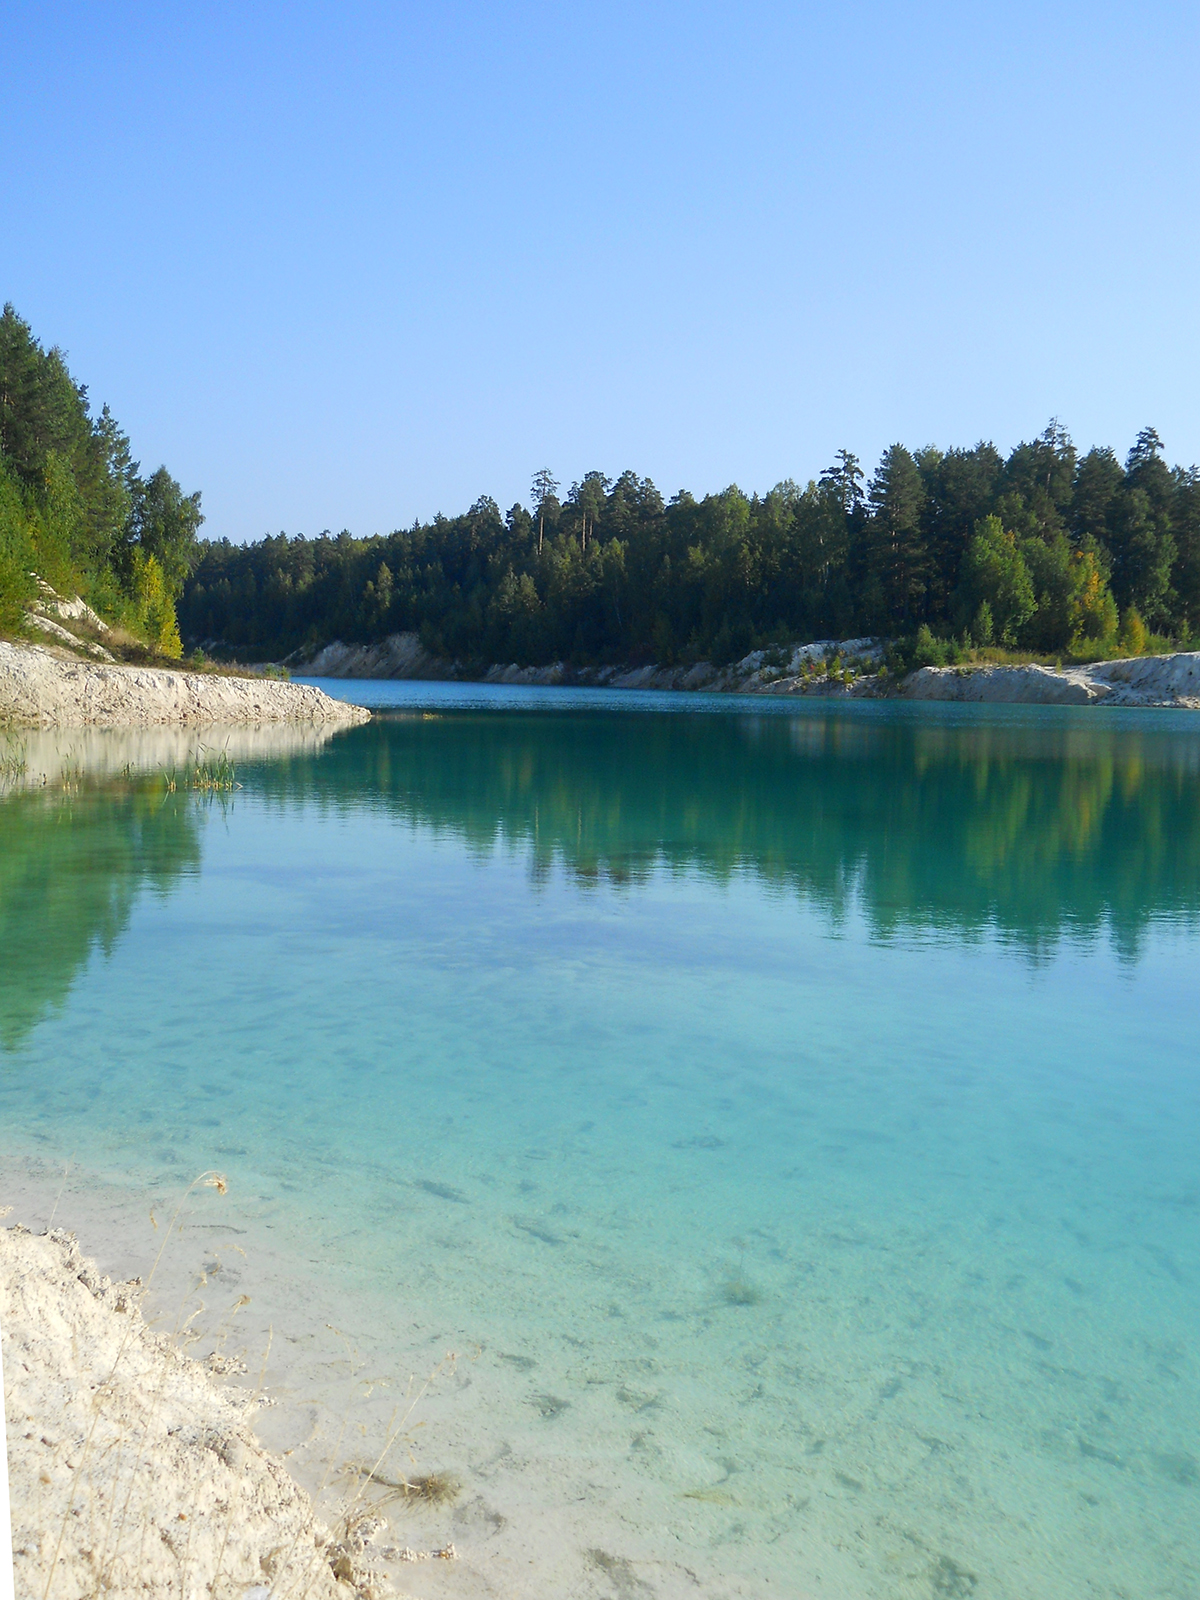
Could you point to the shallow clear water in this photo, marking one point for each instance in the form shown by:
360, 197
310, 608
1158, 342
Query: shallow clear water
792, 1112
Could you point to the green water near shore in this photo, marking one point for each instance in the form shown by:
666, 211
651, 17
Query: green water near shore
796, 1109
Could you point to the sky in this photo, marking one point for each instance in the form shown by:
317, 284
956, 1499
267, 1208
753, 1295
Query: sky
344, 266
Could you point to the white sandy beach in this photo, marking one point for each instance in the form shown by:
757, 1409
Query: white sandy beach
131, 1471
526, 1522
47, 687
136, 1470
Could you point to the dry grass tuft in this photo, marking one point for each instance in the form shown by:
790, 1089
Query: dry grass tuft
435, 1488
430, 1488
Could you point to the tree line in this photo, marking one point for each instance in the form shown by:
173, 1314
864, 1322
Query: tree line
1046, 550
75, 508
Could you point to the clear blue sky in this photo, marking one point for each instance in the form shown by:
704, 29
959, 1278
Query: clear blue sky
343, 265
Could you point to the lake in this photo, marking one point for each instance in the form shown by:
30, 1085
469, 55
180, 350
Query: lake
787, 1114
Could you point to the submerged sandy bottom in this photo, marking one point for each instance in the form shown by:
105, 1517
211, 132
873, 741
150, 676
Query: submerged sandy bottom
752, 1243
601, 1460
532, 1509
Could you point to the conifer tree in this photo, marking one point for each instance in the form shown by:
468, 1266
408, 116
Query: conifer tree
896, 549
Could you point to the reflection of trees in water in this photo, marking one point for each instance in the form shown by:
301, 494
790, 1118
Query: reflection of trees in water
1039, 832
73, 860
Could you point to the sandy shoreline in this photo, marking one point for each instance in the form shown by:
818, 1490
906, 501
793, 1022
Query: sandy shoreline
136, 1469
130, 1470
824, 669
44, 687
531, 1518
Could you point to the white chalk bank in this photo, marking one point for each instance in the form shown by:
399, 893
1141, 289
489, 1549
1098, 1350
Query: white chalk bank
45, 688
131, 1473
1172, 680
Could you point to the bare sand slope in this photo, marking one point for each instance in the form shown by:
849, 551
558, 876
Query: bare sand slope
131, 1471
45, 688
1139, 681
843, 668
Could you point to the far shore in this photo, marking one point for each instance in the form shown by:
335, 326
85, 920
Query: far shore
47, 687
825, 668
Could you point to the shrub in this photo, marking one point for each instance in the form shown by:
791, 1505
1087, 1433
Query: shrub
1133, 632
928, 651
994, 574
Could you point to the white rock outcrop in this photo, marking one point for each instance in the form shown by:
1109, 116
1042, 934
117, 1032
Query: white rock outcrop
1172, 680
51, 604
400, 655
45, 688
131, 1473
47, 625
825, 667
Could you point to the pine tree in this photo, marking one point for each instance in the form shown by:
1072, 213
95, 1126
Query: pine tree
897, 555
545, 488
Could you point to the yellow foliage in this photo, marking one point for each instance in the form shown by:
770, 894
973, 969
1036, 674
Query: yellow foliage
154, 607
1133, 632
1093, 610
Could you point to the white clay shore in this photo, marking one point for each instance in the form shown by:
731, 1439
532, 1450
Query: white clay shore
44, 687
1139, 681
135, 1472
130, 1471
829, 668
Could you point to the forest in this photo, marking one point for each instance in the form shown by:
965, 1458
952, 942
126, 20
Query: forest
75, 508
952, 553
1047, 551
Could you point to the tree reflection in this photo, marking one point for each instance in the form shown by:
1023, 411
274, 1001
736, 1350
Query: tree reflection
73, 859
1035, 831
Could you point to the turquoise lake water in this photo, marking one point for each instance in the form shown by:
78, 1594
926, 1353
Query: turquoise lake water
789, 1113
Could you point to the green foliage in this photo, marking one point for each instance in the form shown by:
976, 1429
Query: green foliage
1093, 610
897, 553
163, 523
17, 553
1098, 483
73, 506
151, 608
1075, 607
1030, 554
994, 576
927, 651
